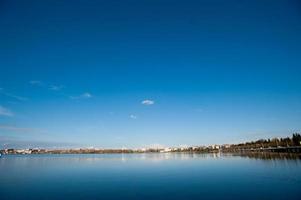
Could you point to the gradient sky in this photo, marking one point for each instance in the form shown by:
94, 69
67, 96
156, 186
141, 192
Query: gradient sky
135, 73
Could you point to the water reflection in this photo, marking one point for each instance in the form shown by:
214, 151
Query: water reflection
269, 156
153, 157
153, 175
106, 159
150, 157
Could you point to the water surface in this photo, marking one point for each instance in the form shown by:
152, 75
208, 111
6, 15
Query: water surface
149, 176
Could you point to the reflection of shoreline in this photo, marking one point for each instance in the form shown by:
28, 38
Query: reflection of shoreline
150, 159
119, 156
155, 157
269, 155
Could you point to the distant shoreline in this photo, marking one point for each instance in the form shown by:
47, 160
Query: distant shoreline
185, 154
289, 150
276, 145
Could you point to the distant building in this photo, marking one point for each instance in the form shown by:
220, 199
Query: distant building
226, 146
23, 151
165, 150
215, 146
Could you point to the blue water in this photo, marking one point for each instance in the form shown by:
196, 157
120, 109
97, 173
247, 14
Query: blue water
148, 176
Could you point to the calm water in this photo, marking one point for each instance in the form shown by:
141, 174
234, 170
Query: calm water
149, 176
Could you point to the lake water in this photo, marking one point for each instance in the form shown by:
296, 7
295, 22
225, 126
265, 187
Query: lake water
149, 176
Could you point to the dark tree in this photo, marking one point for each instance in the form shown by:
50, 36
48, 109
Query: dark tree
296, 139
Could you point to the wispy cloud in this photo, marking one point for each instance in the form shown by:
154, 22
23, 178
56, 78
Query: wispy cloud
148, 102
133, 116
85, 95
16, 129
56, 87
16, 97
46, 85
28, 144
35, 82
199, 110
2, 92
5, 112
12, 128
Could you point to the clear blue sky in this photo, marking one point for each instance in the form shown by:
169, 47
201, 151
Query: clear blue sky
77, 73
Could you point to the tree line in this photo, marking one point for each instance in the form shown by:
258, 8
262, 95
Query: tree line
295, 140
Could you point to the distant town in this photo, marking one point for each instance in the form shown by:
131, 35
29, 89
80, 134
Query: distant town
279, 145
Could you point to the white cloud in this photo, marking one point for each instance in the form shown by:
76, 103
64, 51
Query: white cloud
133, 117
56, 87
148, 102
85, 95
5, 112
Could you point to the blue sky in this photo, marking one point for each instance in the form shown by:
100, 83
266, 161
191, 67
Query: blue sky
148, 72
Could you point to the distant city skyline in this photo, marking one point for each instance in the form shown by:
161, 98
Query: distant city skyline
114, 74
